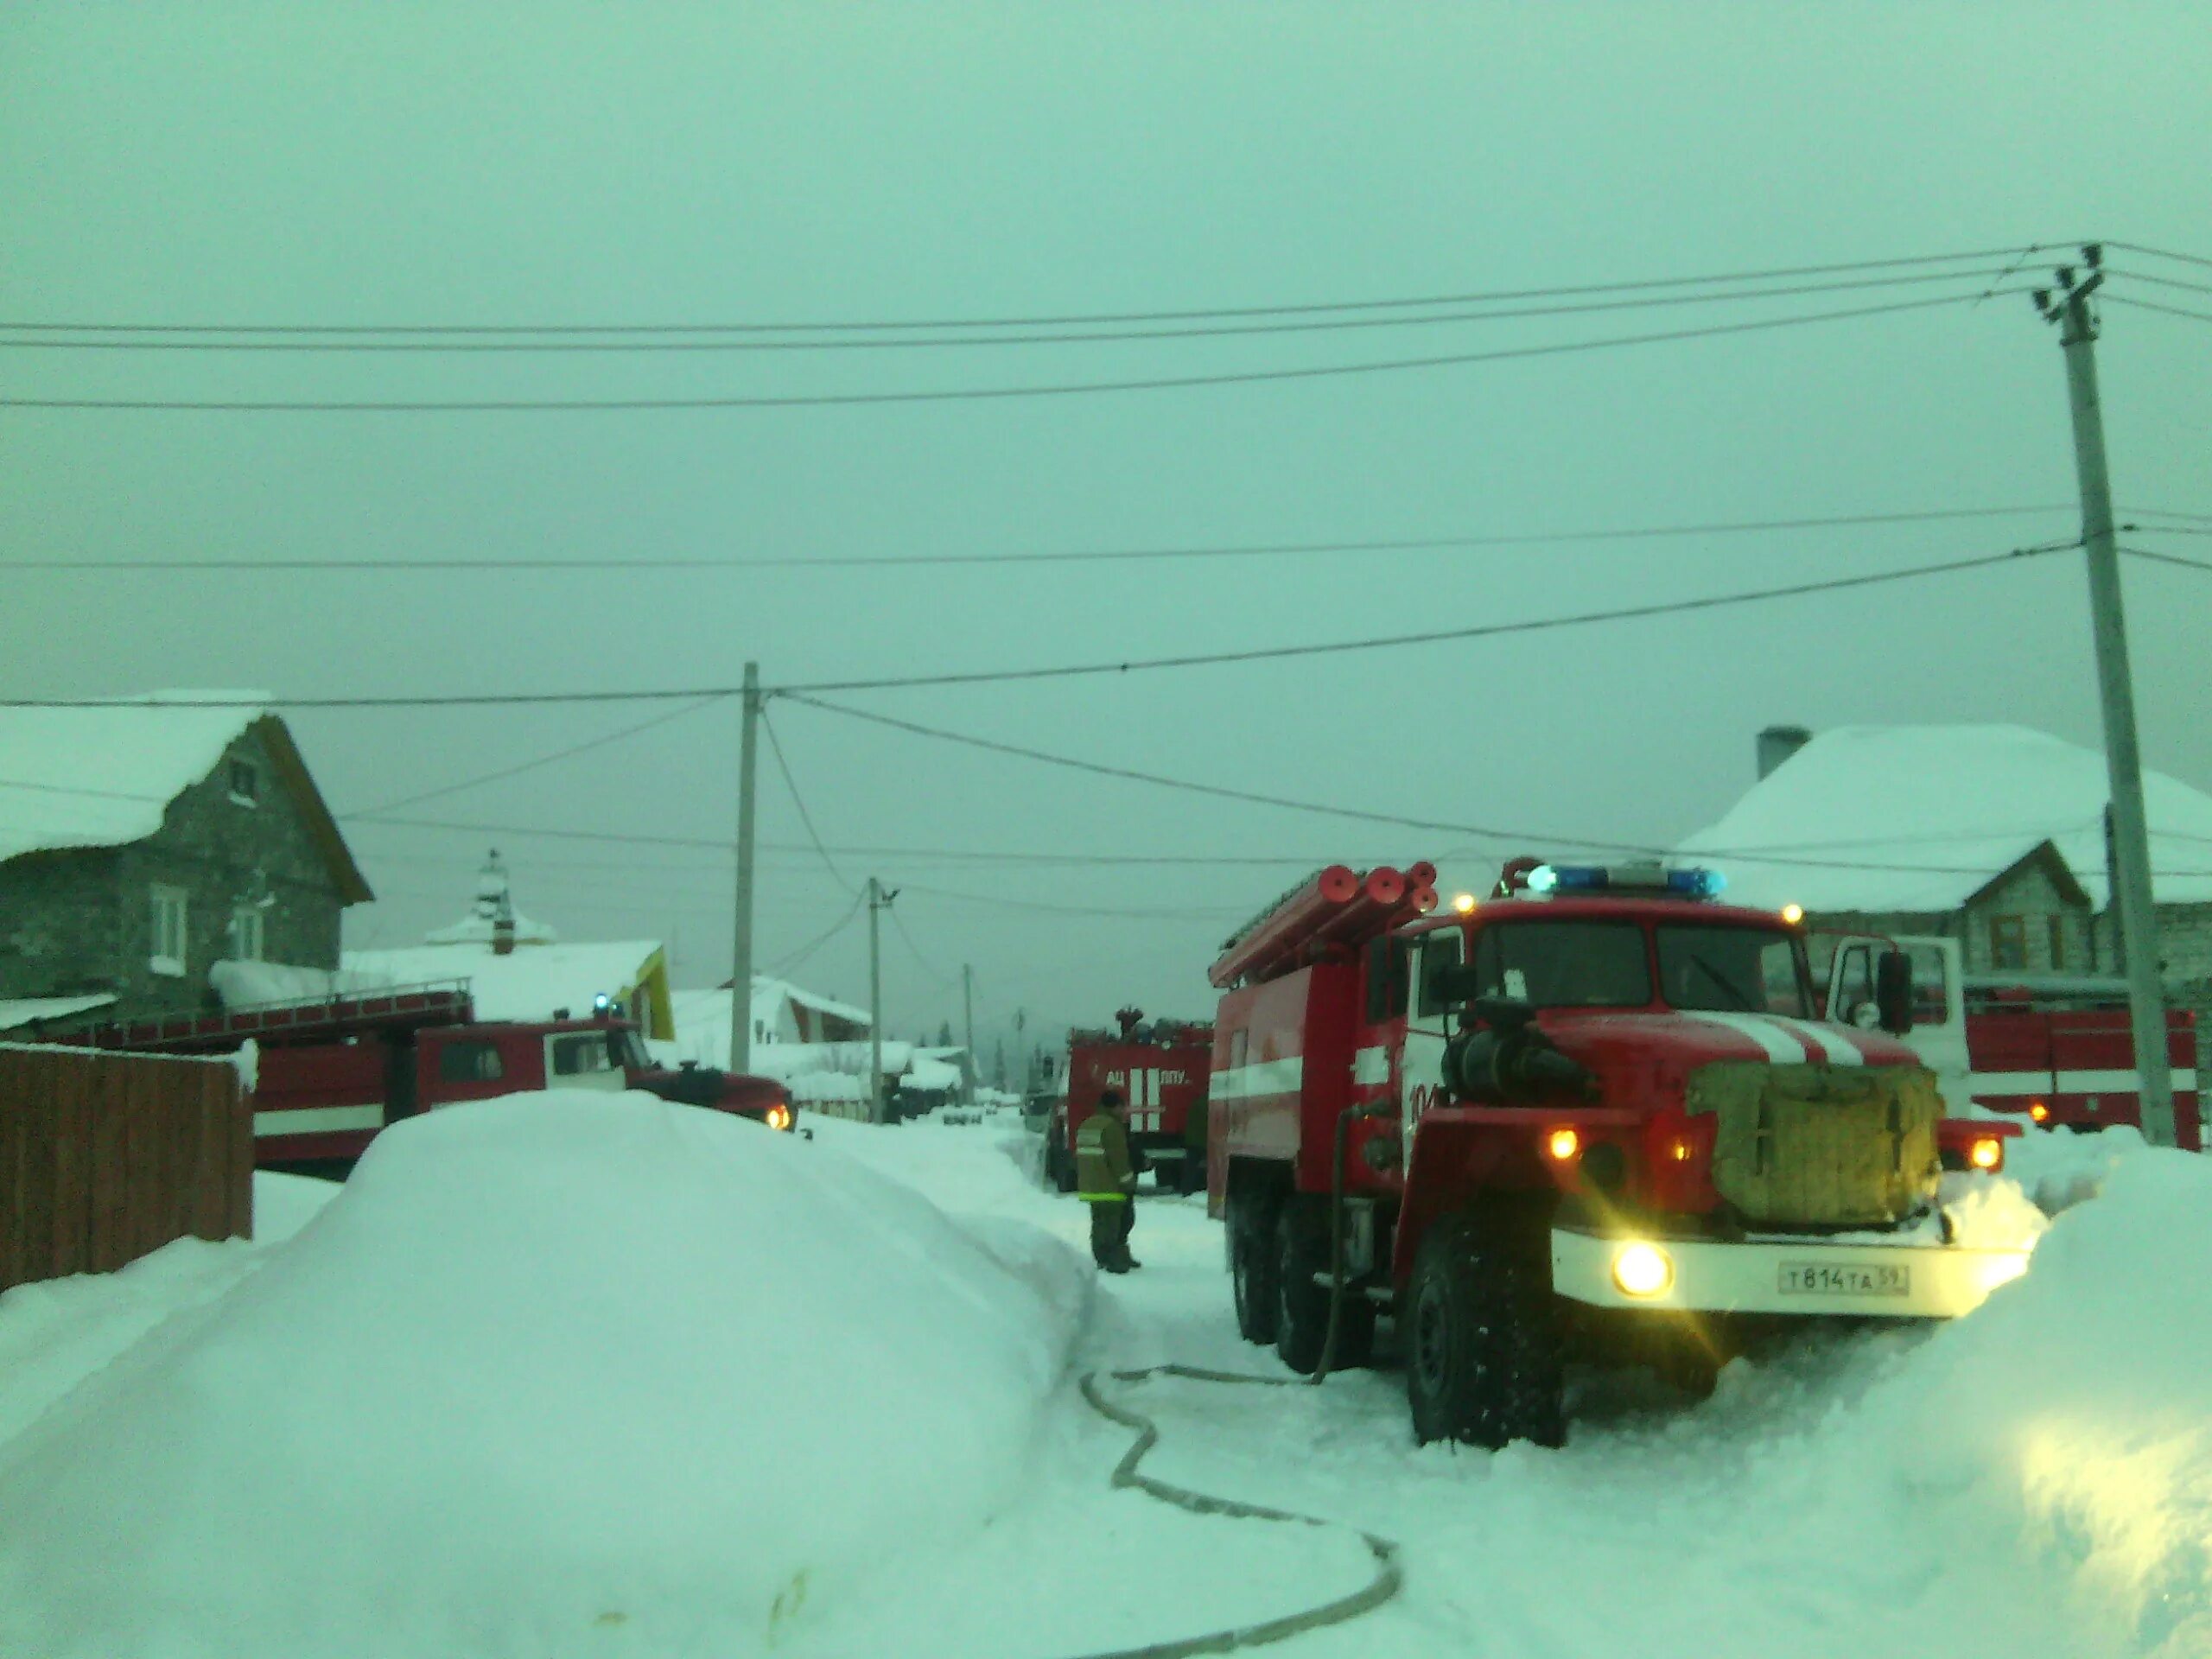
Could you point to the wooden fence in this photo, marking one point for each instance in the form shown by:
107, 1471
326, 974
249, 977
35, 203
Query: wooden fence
104, 1157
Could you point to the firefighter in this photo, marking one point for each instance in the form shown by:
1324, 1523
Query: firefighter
1106, 1180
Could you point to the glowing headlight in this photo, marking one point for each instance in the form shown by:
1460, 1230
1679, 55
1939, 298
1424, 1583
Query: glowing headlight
1988, 1151
779, 1117
1562, 1144
1642, 1269
1793, 914
2038, 1111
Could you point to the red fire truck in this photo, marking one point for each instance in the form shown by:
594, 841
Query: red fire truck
2055, 1049
1591, 1113
1160, 1070
328, 1075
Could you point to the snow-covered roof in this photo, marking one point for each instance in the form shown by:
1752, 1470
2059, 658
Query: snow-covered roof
1920, 818
768, 993
240, 984
930, 1075
25, 1011
530, 984
103, 776
478, 929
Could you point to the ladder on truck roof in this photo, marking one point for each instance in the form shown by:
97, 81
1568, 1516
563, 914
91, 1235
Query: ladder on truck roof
433, 1002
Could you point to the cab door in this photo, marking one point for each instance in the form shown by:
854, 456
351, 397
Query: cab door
1429, 1025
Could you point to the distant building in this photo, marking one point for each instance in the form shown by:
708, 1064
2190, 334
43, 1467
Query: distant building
518, 968
1992, 835
143, 841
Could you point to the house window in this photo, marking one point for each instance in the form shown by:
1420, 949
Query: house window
170, 947
246, 933
2008, 942
245, 783
2058, 944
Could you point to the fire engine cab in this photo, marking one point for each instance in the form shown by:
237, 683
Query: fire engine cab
1594, 1111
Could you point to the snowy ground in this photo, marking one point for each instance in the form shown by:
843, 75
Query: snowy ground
2034, 1480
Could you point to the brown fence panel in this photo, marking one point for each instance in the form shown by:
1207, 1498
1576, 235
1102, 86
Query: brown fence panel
104, 1157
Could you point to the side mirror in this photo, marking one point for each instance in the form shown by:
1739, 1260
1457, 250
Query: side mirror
1457, 984
1893, 992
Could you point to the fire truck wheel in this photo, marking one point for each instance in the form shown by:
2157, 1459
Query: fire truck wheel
1302, 1307
1482, 1351
1252, 1271
1063, 1170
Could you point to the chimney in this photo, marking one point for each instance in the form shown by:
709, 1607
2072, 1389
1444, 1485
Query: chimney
503, 934
1776, 744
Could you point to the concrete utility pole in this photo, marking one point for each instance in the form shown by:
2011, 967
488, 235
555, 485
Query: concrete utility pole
878, 902
968, 1012
740, 992
2131, 840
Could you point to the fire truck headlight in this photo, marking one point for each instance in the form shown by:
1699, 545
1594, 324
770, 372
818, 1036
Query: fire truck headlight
779, 1117
1793, 914
1988, 1151
1642, 1269
1562, 1144
1464, 903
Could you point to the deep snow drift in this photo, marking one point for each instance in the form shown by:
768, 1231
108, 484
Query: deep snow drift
560, 1373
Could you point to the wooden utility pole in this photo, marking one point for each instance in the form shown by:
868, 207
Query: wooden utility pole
968, 1013
740, 984
2069, 307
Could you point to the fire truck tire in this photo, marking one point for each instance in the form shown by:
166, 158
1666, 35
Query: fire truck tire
1252, 1270
1482, 1349
1061, 1169
1302, 1306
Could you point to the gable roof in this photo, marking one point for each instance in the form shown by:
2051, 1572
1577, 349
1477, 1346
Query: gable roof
530, 983
1921, 818
103, 776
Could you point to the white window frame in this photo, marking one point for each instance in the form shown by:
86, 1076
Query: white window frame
253, 774
172, 926
247, 923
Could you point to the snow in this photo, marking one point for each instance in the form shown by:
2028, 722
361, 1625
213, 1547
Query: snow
557, 1374
103, 776
702, 1018
247, 984
25, 1011
931, 1076
2033, 1479
474, 928
1963, 804
531, 983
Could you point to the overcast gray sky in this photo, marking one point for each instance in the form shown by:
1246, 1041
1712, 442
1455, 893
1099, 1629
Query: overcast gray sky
545, 163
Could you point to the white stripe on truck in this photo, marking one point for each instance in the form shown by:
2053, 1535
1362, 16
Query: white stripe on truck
318, 1120
1262, 1078
2071, 1083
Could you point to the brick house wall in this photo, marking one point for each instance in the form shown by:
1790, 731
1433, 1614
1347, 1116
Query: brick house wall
74, 921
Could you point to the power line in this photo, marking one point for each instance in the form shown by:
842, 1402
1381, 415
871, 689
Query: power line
1049, 909
785, 964
2167, 559
2169, 512
2168, 529
776, 747
962, 394
632, 345
2163, 282
2161, 253
1194, 659
1485, 296
928, 968
1428, 636
531, 766
600, 566
2152, 305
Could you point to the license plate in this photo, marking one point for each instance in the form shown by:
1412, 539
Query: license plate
1834, 1278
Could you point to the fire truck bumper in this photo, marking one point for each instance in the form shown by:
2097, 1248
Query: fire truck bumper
1811, 1276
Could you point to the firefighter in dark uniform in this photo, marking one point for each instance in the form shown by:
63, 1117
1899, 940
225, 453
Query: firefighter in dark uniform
1106, 1180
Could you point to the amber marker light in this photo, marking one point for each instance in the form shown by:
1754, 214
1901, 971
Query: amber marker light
1562, 1144
2038, 1111
1464, 903
1987, 1152
1793, 914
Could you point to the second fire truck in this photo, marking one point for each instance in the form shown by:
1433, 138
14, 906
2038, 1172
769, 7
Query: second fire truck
1593, 1111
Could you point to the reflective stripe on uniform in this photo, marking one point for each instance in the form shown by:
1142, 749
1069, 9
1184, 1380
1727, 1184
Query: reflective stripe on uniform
1103, 1198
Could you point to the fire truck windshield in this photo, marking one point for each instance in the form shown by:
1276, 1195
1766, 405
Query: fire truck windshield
1747, 969
1564, 964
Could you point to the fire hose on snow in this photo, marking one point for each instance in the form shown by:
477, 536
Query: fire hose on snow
1386, 1581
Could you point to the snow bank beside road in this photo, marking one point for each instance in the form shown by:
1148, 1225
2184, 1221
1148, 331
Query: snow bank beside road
559, 1373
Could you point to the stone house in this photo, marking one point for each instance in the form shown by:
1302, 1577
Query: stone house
145, 840
1992, 835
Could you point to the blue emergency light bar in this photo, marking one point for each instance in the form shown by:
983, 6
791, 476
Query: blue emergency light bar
1626, 878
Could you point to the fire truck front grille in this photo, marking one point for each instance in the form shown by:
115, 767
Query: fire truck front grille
1821, 1146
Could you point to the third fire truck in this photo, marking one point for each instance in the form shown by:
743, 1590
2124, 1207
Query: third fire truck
1593, 1111
1160, 1068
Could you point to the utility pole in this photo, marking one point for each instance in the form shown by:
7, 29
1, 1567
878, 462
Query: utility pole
878, 902
740, 984
968, 1012
2131, 840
